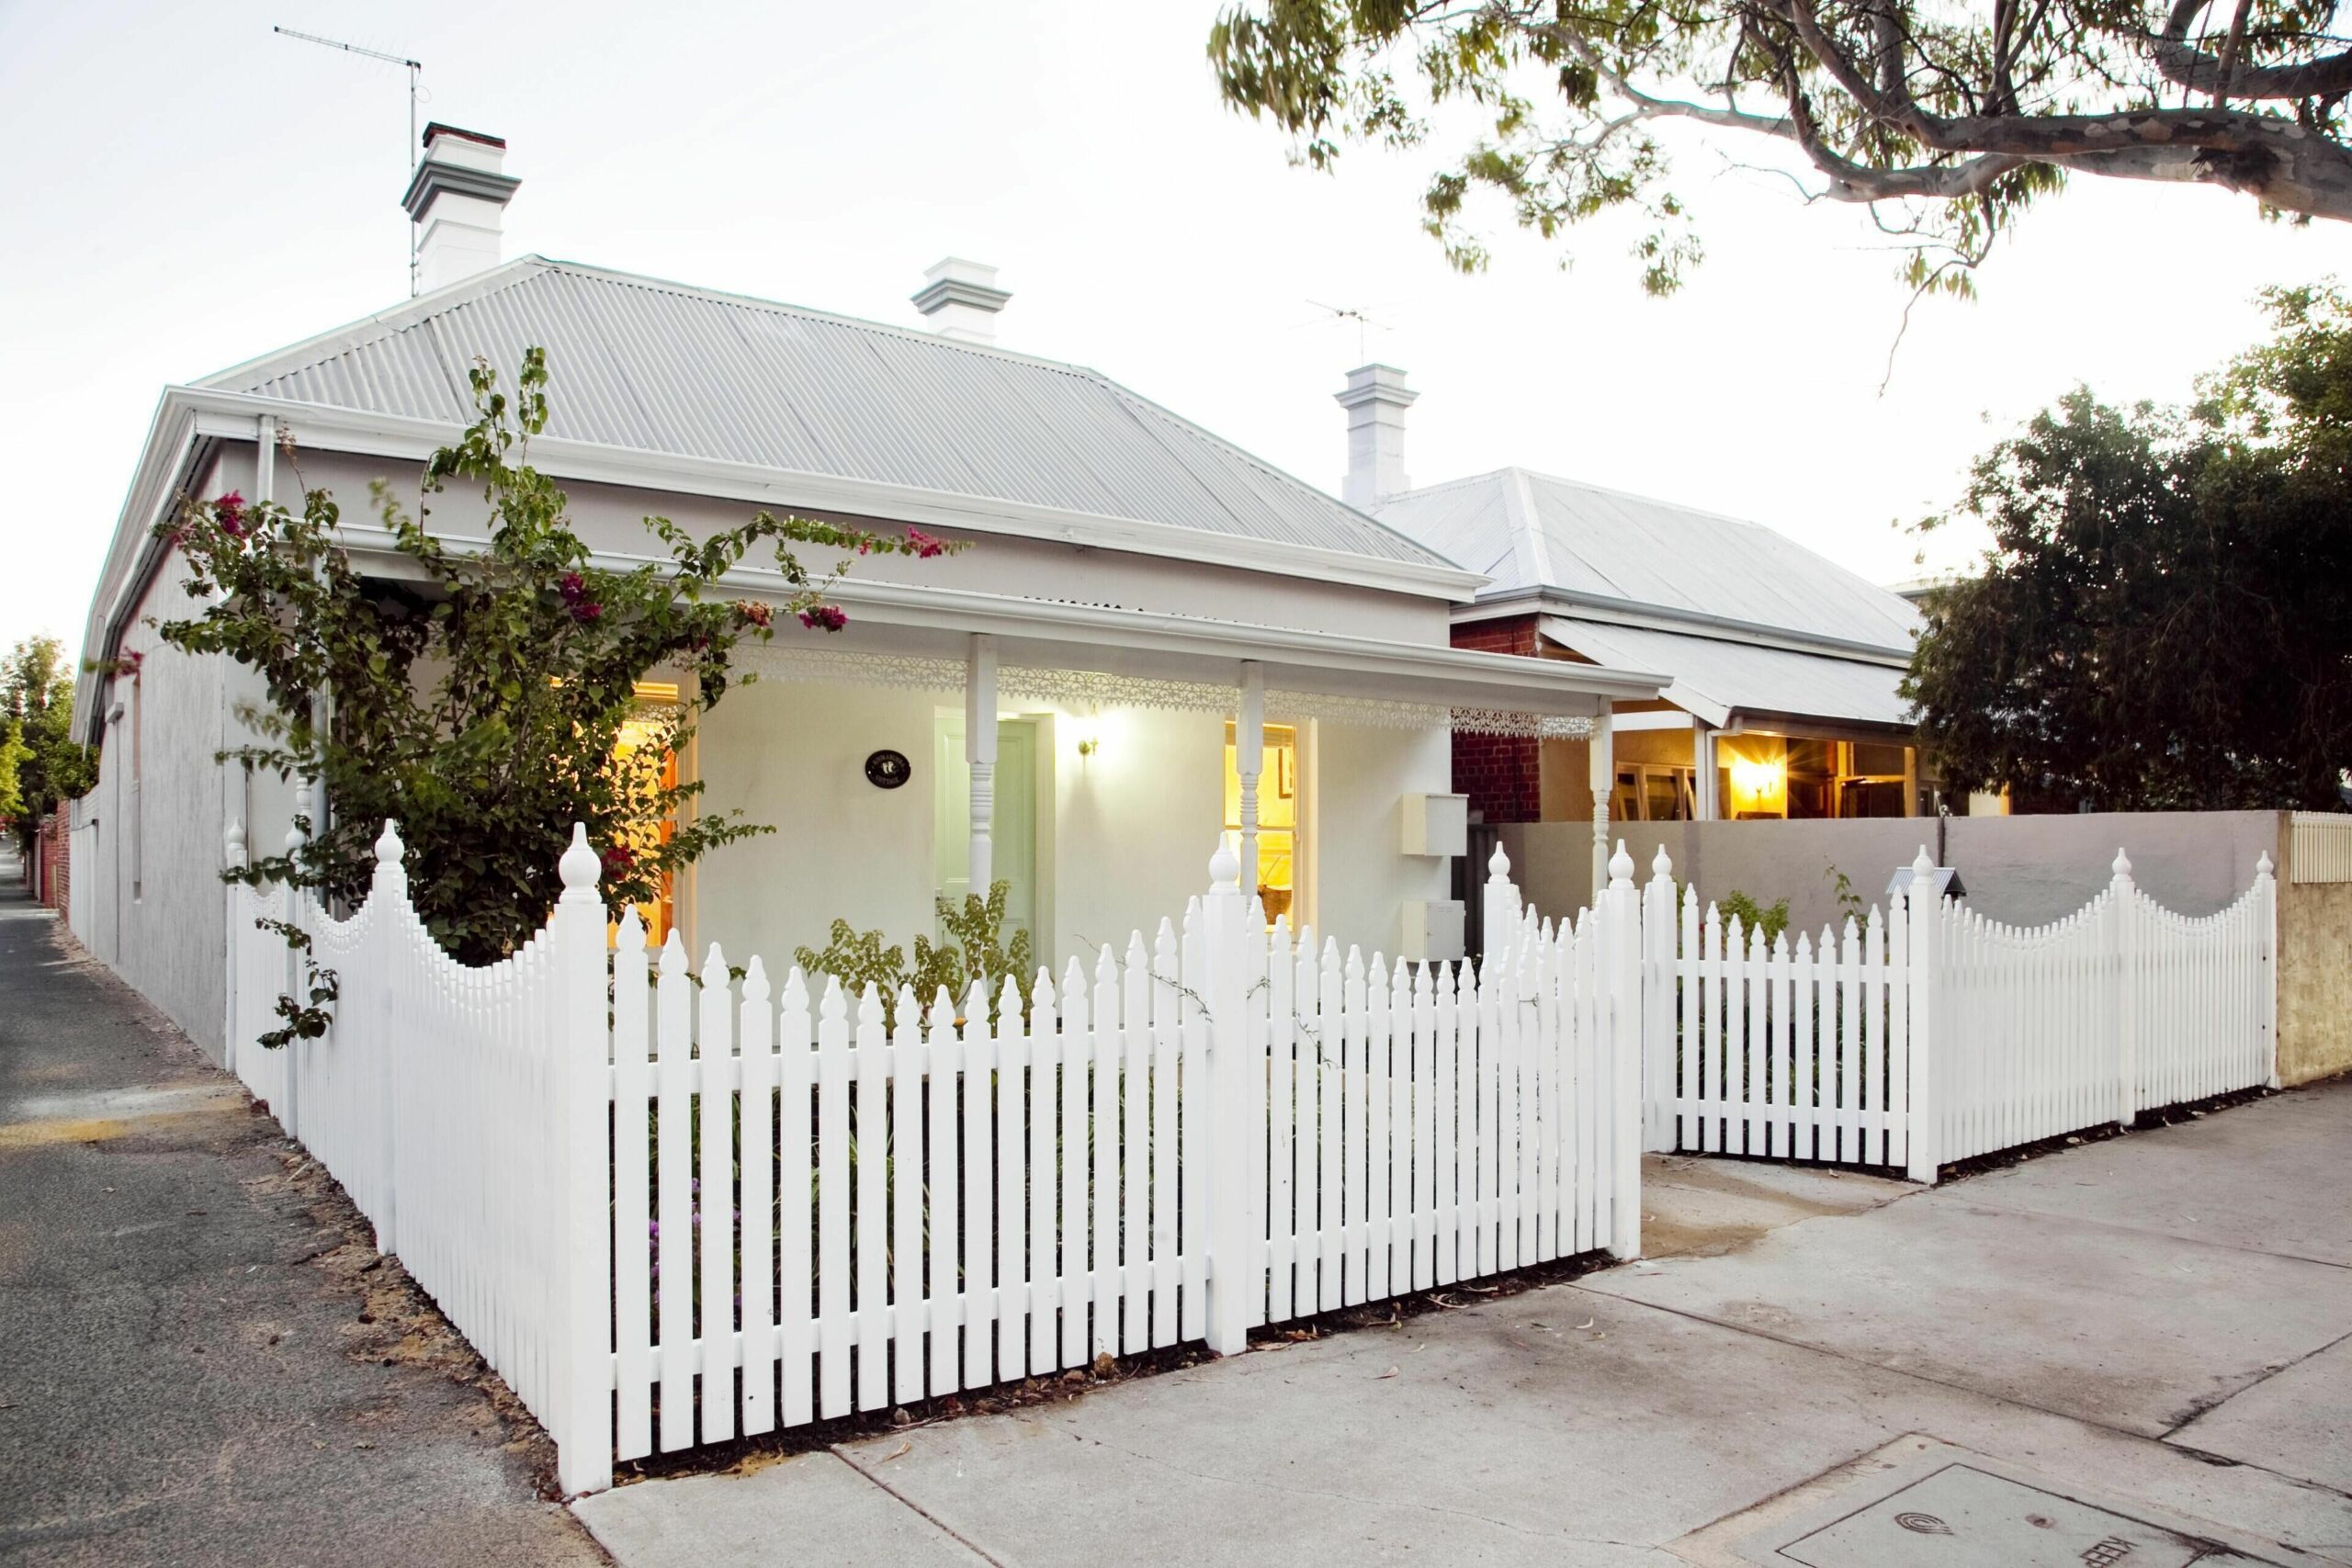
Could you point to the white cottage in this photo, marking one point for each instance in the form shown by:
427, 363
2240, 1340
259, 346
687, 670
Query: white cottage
1153, 637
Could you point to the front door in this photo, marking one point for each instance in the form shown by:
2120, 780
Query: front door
1014, 832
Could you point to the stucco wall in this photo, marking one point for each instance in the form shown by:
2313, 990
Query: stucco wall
149, 855
1128, 843
2314, 980
1362, 875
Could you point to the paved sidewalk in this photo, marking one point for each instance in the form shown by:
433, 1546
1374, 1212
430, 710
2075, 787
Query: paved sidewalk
198, 1363
2143, 1339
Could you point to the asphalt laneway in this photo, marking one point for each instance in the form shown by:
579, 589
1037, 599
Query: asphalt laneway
201, 1360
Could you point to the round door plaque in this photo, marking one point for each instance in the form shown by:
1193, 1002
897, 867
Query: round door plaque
888, 770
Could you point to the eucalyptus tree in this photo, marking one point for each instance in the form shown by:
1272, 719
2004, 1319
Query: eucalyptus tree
1947, 120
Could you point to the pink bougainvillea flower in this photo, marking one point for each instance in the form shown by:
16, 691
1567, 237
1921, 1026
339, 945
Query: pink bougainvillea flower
753, 612
828, 616
619, 862
572, 589
231, 510
587, 611
924, 545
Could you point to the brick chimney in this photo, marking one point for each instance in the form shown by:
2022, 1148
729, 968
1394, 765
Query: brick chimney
458, 200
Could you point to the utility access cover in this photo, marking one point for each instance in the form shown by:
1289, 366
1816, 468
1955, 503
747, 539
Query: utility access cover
1961, 1517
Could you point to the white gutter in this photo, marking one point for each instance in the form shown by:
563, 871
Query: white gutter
1563, 604
1090, 636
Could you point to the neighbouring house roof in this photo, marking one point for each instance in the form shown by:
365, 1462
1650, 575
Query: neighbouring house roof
637, 364
1715, 680
1747, 621
1534, 535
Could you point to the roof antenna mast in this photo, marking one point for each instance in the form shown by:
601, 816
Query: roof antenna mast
413, 67
1365, 325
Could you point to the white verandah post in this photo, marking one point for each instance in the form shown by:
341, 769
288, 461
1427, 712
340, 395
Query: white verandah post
979, 750
1249, 759
1604, 780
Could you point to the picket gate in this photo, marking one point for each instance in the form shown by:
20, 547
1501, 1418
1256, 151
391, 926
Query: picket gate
671, 1209
1928, 1033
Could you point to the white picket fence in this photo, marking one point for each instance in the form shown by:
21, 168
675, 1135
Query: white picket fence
1928, 1033
1225, 1128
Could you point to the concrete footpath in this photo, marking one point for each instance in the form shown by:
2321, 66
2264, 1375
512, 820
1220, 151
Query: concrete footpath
201, 1359
2133, 1352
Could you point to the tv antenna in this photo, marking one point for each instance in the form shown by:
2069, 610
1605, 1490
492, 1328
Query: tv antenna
413, 67
1365, 325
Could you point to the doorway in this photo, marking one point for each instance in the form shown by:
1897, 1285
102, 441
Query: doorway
1014, 825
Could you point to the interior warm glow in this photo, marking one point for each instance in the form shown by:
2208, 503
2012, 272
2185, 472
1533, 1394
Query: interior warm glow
1278, 815
1754, 779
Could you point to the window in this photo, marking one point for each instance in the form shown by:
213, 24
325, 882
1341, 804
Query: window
1652, 792
646, 761
1278, 816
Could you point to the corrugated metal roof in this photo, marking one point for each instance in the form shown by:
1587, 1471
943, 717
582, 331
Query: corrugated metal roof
655, 366
1532, 531
1714, 679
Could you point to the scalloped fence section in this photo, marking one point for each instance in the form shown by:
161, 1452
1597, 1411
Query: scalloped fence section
1924, 1034
672, 1204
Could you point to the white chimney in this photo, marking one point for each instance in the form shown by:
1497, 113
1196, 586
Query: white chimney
961, 298
1376, 398
458, 200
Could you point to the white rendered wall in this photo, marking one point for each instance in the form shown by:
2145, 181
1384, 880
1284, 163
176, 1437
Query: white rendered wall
1131, 833
1362, 875
151, 861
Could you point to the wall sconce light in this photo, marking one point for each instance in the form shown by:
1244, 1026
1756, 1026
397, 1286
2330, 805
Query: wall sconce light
1755, 779
1090, 737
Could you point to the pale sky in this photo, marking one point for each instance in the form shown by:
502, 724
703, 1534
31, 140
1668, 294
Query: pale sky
186, 191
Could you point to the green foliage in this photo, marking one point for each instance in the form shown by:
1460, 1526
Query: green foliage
306, 1016
1770, 919
1949, 120
975, 949
2165, 618
41, 761
13, 754
1841, 889
478, 695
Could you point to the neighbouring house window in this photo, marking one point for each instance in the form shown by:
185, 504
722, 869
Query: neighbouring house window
1280, 819
1653, 792
646, 758
1845, 779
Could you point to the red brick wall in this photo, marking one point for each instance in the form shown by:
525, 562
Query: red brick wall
1502, 774
52, 846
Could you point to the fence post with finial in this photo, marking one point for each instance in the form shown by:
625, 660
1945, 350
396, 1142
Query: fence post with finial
2125, 1010
1925, 912
1498, 906
1235, 1151
1621, 917
584, 1424
387, 901
233, 857
1660, 910
2265, 933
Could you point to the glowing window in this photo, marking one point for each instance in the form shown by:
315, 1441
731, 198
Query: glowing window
1280, 817
645, 762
